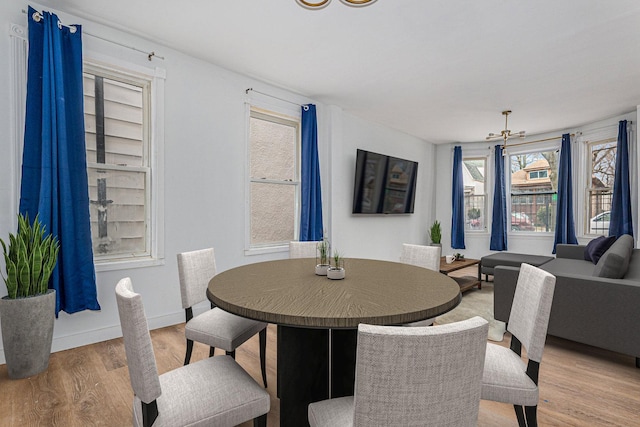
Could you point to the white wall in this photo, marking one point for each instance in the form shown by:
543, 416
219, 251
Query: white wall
477, 244
204, 173
376, 236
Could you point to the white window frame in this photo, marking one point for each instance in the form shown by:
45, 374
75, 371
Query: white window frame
481, 155
154, 79
289, 114
603, 137
533, 148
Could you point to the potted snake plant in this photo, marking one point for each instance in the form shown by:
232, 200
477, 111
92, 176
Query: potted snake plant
28, 311
323, 252
435, 232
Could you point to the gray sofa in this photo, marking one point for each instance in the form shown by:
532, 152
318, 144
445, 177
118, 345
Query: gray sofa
598, 311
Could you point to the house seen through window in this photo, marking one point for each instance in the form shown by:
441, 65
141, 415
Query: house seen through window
475, 198
534, 191
274, 178
117, 132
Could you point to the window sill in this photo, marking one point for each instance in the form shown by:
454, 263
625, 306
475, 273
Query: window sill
127, 264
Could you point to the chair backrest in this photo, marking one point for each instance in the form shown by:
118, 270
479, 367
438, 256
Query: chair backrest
302, 249
141, 360
422, 256
427, 376
530, 310
195, 269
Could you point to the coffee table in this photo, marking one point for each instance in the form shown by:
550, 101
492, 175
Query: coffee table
465, 282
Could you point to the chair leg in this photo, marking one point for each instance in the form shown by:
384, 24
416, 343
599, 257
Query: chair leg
232, 354
520, 416
532, 415
263, 355
187, 356
261, 421
211, 350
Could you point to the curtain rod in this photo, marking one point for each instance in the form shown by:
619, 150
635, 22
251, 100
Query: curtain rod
275, 97
150, 55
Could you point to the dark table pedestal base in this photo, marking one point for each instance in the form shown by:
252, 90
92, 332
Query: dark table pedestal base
305, 369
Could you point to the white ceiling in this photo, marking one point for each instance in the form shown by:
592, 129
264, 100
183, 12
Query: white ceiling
442, 70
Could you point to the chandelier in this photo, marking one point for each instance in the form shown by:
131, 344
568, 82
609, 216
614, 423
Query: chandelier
505, 134
313, 4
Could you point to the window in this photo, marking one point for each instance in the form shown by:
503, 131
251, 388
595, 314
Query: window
534, 191
474, 178
118, 135
601, 168
273, 178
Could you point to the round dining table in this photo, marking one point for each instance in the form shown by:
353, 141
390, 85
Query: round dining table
317, 318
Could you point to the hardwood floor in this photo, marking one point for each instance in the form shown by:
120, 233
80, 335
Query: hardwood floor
89, 386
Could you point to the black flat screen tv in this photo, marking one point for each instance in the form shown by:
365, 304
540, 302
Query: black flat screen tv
384, 184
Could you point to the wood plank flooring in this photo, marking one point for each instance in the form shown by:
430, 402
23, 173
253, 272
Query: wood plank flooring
89, 386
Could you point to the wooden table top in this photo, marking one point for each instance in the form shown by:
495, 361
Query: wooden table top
288, 292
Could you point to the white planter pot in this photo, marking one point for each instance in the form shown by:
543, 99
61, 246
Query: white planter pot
321, 269
335, 273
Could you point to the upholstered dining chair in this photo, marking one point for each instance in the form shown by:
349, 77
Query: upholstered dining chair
213, 391
302, 249
215, 327
506, 377
421, 256
429, 376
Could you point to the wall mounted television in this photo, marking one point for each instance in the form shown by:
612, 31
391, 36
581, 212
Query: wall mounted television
383, 184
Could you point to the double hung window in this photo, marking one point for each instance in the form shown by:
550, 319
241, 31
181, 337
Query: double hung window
601, 169
274, 178
475, 193
118, 136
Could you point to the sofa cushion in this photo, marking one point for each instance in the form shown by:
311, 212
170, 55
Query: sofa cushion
562, 266
615, 261
597, 247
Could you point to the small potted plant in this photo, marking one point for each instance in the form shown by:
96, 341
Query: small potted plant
435, 232
323, 251
28, 311
336, 271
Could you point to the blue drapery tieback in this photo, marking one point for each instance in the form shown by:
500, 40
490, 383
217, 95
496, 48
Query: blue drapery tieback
621, 220
499, 214
565, 226
54, 169
311, 193
457, 201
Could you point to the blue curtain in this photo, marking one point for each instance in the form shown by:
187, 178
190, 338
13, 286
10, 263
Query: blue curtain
311, 194
54, 170
499, 214
565, 226
457, 201
621, 222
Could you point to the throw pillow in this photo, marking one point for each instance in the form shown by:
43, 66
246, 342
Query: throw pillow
615, 261
597, 247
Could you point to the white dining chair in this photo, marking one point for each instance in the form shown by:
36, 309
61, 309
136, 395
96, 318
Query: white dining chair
425, 257
428, 376
302, 249
506, 377
214, 391
215, 327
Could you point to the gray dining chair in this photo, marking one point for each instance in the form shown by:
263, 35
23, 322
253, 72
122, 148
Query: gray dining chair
506, 377
215, 327
302, 249
214, 391
421, 256
429, 376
